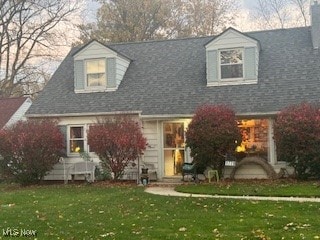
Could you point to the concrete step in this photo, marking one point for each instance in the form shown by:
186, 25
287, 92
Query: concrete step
176, 180
168, 180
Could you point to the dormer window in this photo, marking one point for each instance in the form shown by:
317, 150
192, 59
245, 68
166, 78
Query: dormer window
232, 58
98, 68
231, 63
96, 73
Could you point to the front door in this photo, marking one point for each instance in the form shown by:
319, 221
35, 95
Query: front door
174, 147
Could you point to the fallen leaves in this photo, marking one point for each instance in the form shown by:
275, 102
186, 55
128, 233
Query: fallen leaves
111, 234
7, 205
40, 216
182, 229
294, 226
258, 233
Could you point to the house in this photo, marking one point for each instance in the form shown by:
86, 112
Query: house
161, 83
13, 109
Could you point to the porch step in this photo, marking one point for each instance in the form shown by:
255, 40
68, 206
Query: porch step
168, 181
173, 180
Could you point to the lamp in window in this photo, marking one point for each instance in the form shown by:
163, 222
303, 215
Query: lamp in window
241, 148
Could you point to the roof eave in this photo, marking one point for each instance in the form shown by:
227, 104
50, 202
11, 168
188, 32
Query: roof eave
176, 116
86, 114
147, 117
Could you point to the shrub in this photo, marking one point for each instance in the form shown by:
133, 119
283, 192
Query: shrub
29, 150
212, 133
297, 137
117, 141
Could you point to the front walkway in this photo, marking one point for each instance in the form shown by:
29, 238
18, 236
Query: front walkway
169, 191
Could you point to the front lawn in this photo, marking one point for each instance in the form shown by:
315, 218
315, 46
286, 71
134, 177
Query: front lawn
260, 188
127, 212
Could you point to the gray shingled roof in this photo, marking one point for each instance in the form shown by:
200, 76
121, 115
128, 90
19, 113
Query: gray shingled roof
169, 77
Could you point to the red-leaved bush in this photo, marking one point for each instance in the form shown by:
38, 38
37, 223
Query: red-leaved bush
213, 133
117, 141
29, 149
297, 137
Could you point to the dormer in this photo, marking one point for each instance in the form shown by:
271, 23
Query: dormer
98, 68
232, 58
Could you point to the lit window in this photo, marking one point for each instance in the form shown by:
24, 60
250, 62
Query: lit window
254, 138
76, 140
96, 72
231, 63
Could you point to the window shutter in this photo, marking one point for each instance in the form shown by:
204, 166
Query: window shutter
111, 73
63, 130
79, 75
250, 65
212, 66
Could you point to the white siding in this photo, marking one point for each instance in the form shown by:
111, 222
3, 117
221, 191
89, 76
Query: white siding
272, 157
121, 68
58, 171
231, 39
151, 155
20, 113
95, 50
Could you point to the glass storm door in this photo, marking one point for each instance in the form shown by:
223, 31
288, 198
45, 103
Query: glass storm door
174, 148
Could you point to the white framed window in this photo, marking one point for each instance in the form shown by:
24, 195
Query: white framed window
231, 63
95, 70
76, 139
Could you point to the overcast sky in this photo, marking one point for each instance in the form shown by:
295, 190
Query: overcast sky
248, 3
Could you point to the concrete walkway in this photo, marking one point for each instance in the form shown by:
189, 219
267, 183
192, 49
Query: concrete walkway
169, 191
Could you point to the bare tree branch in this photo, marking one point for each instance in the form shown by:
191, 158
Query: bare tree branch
281, 13
26, 28
303, 6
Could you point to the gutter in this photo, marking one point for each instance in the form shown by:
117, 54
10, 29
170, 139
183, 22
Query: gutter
83, 114
240, 115
147, 117
165, 116
257, 114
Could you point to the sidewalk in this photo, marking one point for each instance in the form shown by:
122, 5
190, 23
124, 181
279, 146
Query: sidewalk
169, 191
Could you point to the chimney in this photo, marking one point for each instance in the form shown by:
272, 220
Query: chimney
315, 24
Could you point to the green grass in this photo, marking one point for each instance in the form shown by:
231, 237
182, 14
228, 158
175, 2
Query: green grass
127, 212
278, 189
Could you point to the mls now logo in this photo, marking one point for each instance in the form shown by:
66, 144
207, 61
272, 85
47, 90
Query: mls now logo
14, 232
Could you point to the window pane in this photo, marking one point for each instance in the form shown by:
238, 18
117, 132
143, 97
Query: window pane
232, 71
254, 138
96, 66
231, 56
173, 135
74, 144
76, 132
96, 79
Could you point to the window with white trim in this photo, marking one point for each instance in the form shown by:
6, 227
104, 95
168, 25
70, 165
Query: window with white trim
76, 139
95, 73
231, 63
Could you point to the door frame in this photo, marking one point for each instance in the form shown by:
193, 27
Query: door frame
163, 148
